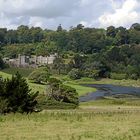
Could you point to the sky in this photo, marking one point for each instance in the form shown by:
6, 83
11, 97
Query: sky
48, 14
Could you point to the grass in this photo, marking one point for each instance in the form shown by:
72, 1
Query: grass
106, 119
80, 89
42, 88
33, 86
72, 125
23, 71
109, 101
85, 80
128, 82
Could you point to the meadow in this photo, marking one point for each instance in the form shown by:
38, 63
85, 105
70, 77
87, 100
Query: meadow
23, 71
6, 73
105, 119
78, 124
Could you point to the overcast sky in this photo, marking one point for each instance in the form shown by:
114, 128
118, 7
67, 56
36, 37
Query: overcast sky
50, 13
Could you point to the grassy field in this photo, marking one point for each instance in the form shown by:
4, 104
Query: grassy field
72, 125
109, 101
23, 71
33, 86
129, 82
106, 119
42, 88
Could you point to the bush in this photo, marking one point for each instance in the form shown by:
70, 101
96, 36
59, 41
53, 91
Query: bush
3, 106
2, 64
15, 95
39, 76
92, 74
75, 74
134, 76
118, 76
46, 103
62, 93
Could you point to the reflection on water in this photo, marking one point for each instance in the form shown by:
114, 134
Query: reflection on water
108, 90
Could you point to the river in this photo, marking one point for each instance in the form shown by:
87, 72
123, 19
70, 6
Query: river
108, 90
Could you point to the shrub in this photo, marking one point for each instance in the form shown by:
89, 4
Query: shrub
134, 76
118, 76
62, 93
75, 74
2, 64
39, 76
92, 74
3, 106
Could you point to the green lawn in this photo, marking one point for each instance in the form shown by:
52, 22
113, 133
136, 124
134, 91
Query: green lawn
23, 71
33, 86
42, 88
80, 89
129, 82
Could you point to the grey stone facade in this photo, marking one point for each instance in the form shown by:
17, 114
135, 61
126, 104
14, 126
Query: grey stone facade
33, 61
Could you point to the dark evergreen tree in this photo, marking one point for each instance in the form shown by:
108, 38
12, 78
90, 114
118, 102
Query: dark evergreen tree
18, 95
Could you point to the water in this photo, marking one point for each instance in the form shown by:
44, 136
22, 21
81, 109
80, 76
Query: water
108, 90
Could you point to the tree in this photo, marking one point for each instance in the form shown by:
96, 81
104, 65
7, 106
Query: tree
36, 34
11, 37
40, 75
111, 31
136, 26
122, 36
59, 28
75, 74
62, 93
3, 32
24, 35
58, 64
1, 63
17, 94
80, 27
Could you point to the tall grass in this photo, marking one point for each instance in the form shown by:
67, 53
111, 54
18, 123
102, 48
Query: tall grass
72, 125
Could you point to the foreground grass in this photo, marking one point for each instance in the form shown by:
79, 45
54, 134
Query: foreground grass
72, 125
109, 101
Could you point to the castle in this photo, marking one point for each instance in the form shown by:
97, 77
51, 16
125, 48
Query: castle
33, 61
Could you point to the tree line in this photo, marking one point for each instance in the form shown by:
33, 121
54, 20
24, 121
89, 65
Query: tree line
93, 52
78, 39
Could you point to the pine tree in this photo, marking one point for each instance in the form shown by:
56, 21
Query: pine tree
18, 95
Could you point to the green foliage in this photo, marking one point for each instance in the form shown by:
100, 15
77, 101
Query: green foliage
75, 74
118, 76
62, 93
89, 49
2, 64
41, 75
58, 64
44, 103
15, 95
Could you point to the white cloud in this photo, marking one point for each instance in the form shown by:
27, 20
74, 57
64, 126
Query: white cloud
51, 13
124, 16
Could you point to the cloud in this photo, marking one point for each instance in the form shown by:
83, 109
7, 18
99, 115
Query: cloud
123, 16
49, 14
